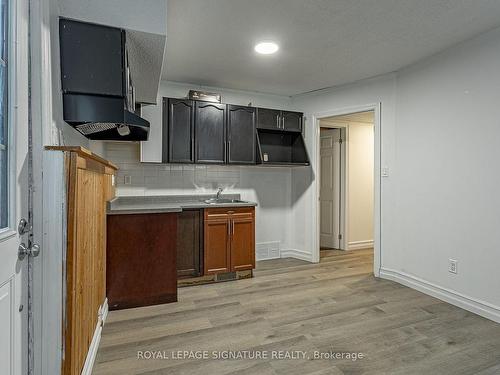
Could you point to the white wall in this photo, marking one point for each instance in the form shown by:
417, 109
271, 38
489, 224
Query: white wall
58, 132
269, 187
448, 133
440, 127
238, 97
360, 185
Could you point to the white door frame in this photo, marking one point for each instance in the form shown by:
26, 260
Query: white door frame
375, 107
48, 198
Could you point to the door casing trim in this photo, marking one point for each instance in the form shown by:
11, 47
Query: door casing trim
377, 227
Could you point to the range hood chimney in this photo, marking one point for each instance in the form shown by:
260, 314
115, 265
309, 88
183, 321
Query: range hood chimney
98, 94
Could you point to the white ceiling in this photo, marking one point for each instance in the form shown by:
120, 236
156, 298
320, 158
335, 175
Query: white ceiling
323, 42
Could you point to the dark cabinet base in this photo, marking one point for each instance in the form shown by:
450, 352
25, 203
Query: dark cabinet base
141, 260
189, 243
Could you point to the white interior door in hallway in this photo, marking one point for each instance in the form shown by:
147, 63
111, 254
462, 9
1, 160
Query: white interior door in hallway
330, 172
13, 187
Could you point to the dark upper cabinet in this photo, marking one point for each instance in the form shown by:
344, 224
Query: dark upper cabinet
278, 147
217, 133
281, 120
291, 121
268, 118
241, 134
210, 133
180, 133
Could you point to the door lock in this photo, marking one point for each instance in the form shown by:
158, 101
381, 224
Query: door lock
33, 250
23, 227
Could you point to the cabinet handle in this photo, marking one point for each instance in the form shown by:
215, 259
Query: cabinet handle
229, 228
228, 151
278, 121
232, 224
192, 149
283, 122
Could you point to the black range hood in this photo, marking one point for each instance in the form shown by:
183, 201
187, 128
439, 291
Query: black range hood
98, 94
103, 118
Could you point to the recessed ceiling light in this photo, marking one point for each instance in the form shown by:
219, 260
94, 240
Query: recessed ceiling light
266, 48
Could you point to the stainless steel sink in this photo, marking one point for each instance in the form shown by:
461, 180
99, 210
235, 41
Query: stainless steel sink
222, 200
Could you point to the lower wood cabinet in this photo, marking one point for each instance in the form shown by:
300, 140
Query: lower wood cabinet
189, 243
229, 239
242, 242
141, 259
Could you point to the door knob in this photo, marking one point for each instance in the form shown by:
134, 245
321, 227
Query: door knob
33, 250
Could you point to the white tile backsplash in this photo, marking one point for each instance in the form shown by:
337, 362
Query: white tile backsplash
167, 178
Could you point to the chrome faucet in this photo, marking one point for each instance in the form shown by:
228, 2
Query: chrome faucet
219, 192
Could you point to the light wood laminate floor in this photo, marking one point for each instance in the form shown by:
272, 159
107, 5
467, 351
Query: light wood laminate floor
291, 305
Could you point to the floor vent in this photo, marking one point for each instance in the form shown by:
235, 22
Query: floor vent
267, 250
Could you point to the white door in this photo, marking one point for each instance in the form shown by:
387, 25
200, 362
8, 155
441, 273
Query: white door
13, 186
329, 188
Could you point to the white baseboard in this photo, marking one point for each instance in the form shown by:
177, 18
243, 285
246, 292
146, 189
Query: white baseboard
297, 254
356, 245
96, 339
104, 311
478, 307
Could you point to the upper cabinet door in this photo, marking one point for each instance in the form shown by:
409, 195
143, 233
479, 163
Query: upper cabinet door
180, 131
268, 118
241, 134
210, 132
291, 121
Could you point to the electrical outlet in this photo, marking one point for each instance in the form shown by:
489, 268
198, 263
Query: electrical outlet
453, 266
127, 180
385, 171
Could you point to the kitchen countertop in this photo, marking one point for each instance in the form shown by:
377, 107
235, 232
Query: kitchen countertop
168, 203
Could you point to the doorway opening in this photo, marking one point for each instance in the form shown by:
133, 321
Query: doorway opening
346, 182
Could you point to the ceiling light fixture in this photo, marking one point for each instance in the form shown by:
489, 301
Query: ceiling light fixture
266, 48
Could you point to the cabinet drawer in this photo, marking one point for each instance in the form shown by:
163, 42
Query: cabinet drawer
224, 212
